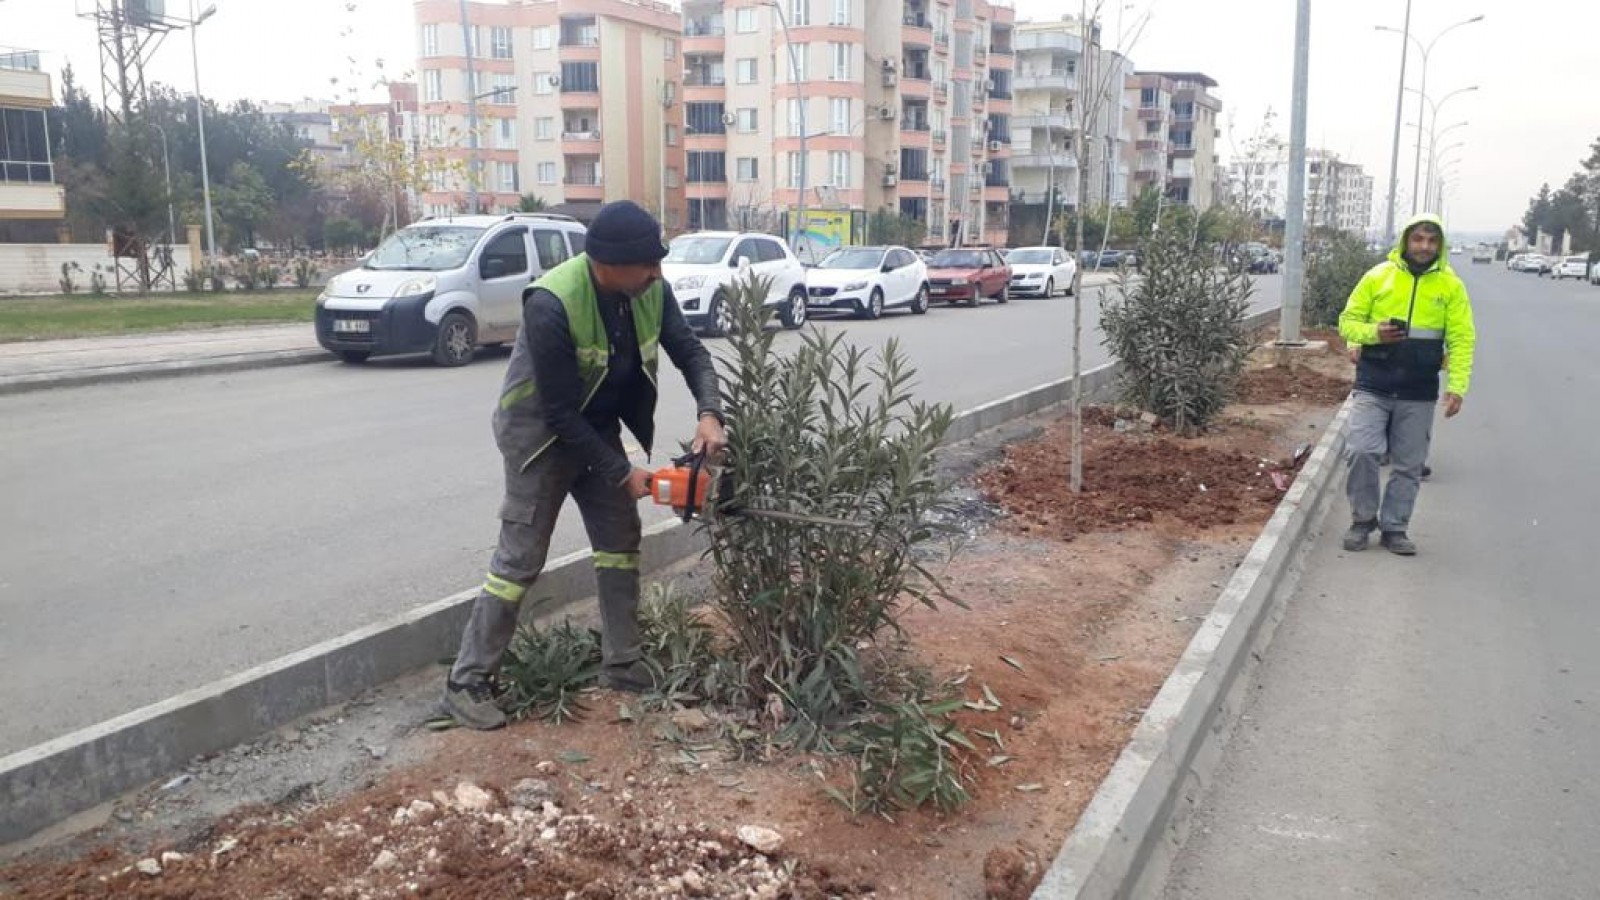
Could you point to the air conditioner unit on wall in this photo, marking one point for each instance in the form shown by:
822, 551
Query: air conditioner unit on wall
888, 112
890, 180
994, 146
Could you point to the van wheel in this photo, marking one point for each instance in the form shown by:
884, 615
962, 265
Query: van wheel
354, 357
793, 313
457, 338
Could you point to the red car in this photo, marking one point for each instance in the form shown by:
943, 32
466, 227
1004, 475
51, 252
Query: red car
967, 275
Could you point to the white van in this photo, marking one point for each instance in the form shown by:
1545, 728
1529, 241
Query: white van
443, 286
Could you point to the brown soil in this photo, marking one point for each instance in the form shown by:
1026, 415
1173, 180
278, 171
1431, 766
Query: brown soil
1292, 383
1072, 637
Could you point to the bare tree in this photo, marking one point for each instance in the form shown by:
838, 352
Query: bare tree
1091, 108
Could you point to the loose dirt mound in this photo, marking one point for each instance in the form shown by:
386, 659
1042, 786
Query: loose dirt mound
1292, 384
1128, 479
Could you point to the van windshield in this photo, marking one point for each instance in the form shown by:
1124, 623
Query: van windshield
425, 248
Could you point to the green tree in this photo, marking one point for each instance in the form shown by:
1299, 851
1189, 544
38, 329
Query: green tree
887, 226
243, 203
531, 203
1537, 217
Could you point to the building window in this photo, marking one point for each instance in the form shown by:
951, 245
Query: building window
24, 150
841, 12
749, 168
580, 77
839, 166
500, 42
841, 115
704, 118
747, 72
673, 178
544, 38
541, 83
669, 49
672, 135
430, 40
794, 170
547, 173
506, 135
435, 129
505, 89
508, 176
841, 62
797, 123
797, 66
799, 13
744, 20
475, 42
707, 167
749, 121
939, 71
1148, 98
544, 129
432, 86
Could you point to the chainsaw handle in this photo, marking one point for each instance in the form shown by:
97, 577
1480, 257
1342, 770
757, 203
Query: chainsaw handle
695, 463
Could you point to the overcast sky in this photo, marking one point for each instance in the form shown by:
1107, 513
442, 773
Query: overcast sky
1532, 119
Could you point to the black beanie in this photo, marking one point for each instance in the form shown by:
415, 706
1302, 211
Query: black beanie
624, 234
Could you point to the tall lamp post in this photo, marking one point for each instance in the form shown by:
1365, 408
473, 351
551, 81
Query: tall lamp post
474, 164
800, 93
1424, 49
200, 121
1433, 110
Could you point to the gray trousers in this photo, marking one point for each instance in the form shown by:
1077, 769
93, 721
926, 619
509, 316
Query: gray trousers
1403, 430
528, 515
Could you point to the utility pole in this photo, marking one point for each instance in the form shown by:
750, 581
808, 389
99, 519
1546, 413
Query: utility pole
1394, 150
1295, 226
473, 163
800, 92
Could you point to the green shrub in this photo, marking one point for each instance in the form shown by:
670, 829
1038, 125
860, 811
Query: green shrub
546, 669
1333, 266
1179, 331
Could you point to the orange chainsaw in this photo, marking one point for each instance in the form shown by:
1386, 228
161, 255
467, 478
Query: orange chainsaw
686, 486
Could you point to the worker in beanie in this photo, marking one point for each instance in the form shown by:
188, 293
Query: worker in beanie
584, 366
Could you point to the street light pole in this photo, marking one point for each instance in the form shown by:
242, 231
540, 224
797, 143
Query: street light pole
799, 90
1432, 110
166, 166
200, 120
474, 171
1434, 152
1425, 50
1394, 149
1295, 226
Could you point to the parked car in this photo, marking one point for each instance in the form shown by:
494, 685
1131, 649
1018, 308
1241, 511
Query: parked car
1525, 262
1542, 265
866, 281
702, 268
968, 274
1482, 255
1571, 267
1041, 271
1263, 264
1110, 259
443, 286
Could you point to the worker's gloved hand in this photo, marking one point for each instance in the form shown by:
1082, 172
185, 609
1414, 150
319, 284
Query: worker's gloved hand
710, 438
638, 483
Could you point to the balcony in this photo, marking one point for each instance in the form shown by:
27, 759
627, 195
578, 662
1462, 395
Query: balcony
1148, 144
1152, 114
941, 40
1025, 41
939, 137
1052, 80
707, 27
936, 184
1036, 160
941, 91
1056, 121
580, 32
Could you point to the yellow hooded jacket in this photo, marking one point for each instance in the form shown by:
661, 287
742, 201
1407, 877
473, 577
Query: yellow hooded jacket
1439, 314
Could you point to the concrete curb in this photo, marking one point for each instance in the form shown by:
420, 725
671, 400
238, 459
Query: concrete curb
51, 781
1126, 839
43, 381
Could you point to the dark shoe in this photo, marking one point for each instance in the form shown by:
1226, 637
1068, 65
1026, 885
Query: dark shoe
474, 706
1397, 543
635, 678
1427, 472
1355, 540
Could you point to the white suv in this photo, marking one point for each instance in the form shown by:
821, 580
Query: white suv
701, 268
1572, 267
443, 286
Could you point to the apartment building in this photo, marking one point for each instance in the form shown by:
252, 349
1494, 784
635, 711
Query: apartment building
578, 103
1059, 76
902, 105
1339, 194
32, 203
1175, 147
397, 120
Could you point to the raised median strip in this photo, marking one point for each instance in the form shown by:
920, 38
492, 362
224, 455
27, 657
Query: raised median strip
51, 781
22, 384
1125, 841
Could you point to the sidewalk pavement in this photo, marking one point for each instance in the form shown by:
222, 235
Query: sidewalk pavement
38, 365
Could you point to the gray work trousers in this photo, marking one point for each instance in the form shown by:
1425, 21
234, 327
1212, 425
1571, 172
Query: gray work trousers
1403, 430
533, 500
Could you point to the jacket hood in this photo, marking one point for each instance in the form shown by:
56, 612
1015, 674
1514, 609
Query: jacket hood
1398, 252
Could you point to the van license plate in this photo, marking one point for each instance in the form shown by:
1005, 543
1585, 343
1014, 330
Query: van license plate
352, 326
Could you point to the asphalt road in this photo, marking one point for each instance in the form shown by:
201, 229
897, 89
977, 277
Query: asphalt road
158, 536
1428, 728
